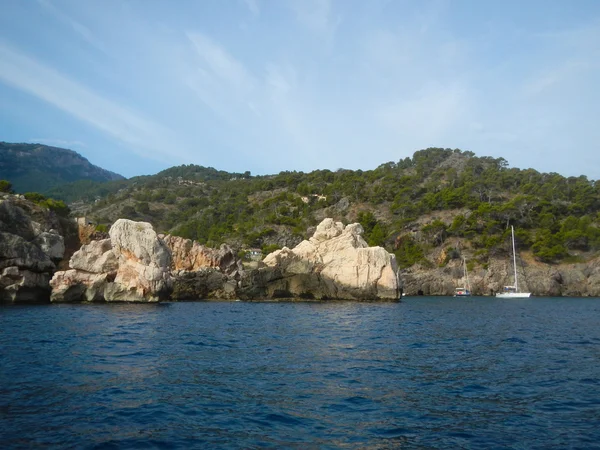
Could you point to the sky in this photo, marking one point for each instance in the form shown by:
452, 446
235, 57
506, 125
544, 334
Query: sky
137, 86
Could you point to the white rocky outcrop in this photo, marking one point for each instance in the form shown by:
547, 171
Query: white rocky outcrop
137, 265
138, 242
336, 263
95, 257
133, 265
144, 262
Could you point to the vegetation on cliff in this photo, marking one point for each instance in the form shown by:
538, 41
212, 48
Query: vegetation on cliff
440, 199
411, 206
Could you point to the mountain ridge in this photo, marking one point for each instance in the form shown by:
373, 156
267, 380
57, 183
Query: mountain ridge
33, 167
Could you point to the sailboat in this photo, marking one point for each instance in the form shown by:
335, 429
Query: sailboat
513, 291
466, 290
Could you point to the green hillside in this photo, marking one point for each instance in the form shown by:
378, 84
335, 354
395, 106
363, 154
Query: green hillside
439, 198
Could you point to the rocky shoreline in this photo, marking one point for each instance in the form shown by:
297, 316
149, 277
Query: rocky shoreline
135, 264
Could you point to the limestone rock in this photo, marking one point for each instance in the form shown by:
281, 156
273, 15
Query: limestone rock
23, 286
335, 263
136, 264
144, 263
92, 268
133, 265
203, 284
95, 257
137, 241
76, 286
14, 220
191, 256
16, 251
31, 244
51, 243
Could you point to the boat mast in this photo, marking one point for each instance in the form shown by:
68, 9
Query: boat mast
514, 257
466, 274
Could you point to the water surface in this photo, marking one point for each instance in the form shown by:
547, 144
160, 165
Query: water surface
424, 373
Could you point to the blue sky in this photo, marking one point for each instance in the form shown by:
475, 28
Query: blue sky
137, 86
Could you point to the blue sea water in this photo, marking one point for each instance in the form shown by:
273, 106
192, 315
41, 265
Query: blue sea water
424, 373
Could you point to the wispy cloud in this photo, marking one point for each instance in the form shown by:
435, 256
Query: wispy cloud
220, 63
138, 133
274, 85
252, 5
220, 81
317, 16
83, 31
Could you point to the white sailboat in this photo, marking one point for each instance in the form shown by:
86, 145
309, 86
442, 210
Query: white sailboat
513, 291
466, 290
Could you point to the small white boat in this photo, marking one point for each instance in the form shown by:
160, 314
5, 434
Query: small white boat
513, 291
464, 291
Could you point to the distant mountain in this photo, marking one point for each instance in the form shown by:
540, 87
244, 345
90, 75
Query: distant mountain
39, 168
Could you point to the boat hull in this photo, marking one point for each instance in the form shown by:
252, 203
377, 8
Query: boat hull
513, 294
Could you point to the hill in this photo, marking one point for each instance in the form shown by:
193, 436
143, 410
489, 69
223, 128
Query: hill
39, 168
429, 210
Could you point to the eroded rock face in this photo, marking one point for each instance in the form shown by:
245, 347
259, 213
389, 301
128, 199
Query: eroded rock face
18, 285
29, 250
206, 283
336, 263
51, 243
95, 257
136, 264
92, 268
138, 242
191, 256
16, 251
76, 285
144, 263
579, 280
133, 265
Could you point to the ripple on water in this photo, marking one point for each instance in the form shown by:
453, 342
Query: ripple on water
426, 373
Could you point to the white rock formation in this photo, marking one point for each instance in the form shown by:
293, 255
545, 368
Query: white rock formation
144, 262
133, 265
95, 257
336, 263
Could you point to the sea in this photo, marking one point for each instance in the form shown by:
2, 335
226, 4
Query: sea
425, 373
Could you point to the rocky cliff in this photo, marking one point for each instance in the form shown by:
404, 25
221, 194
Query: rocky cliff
31, 245
136, 264
133, 265
577, 280
202, 272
